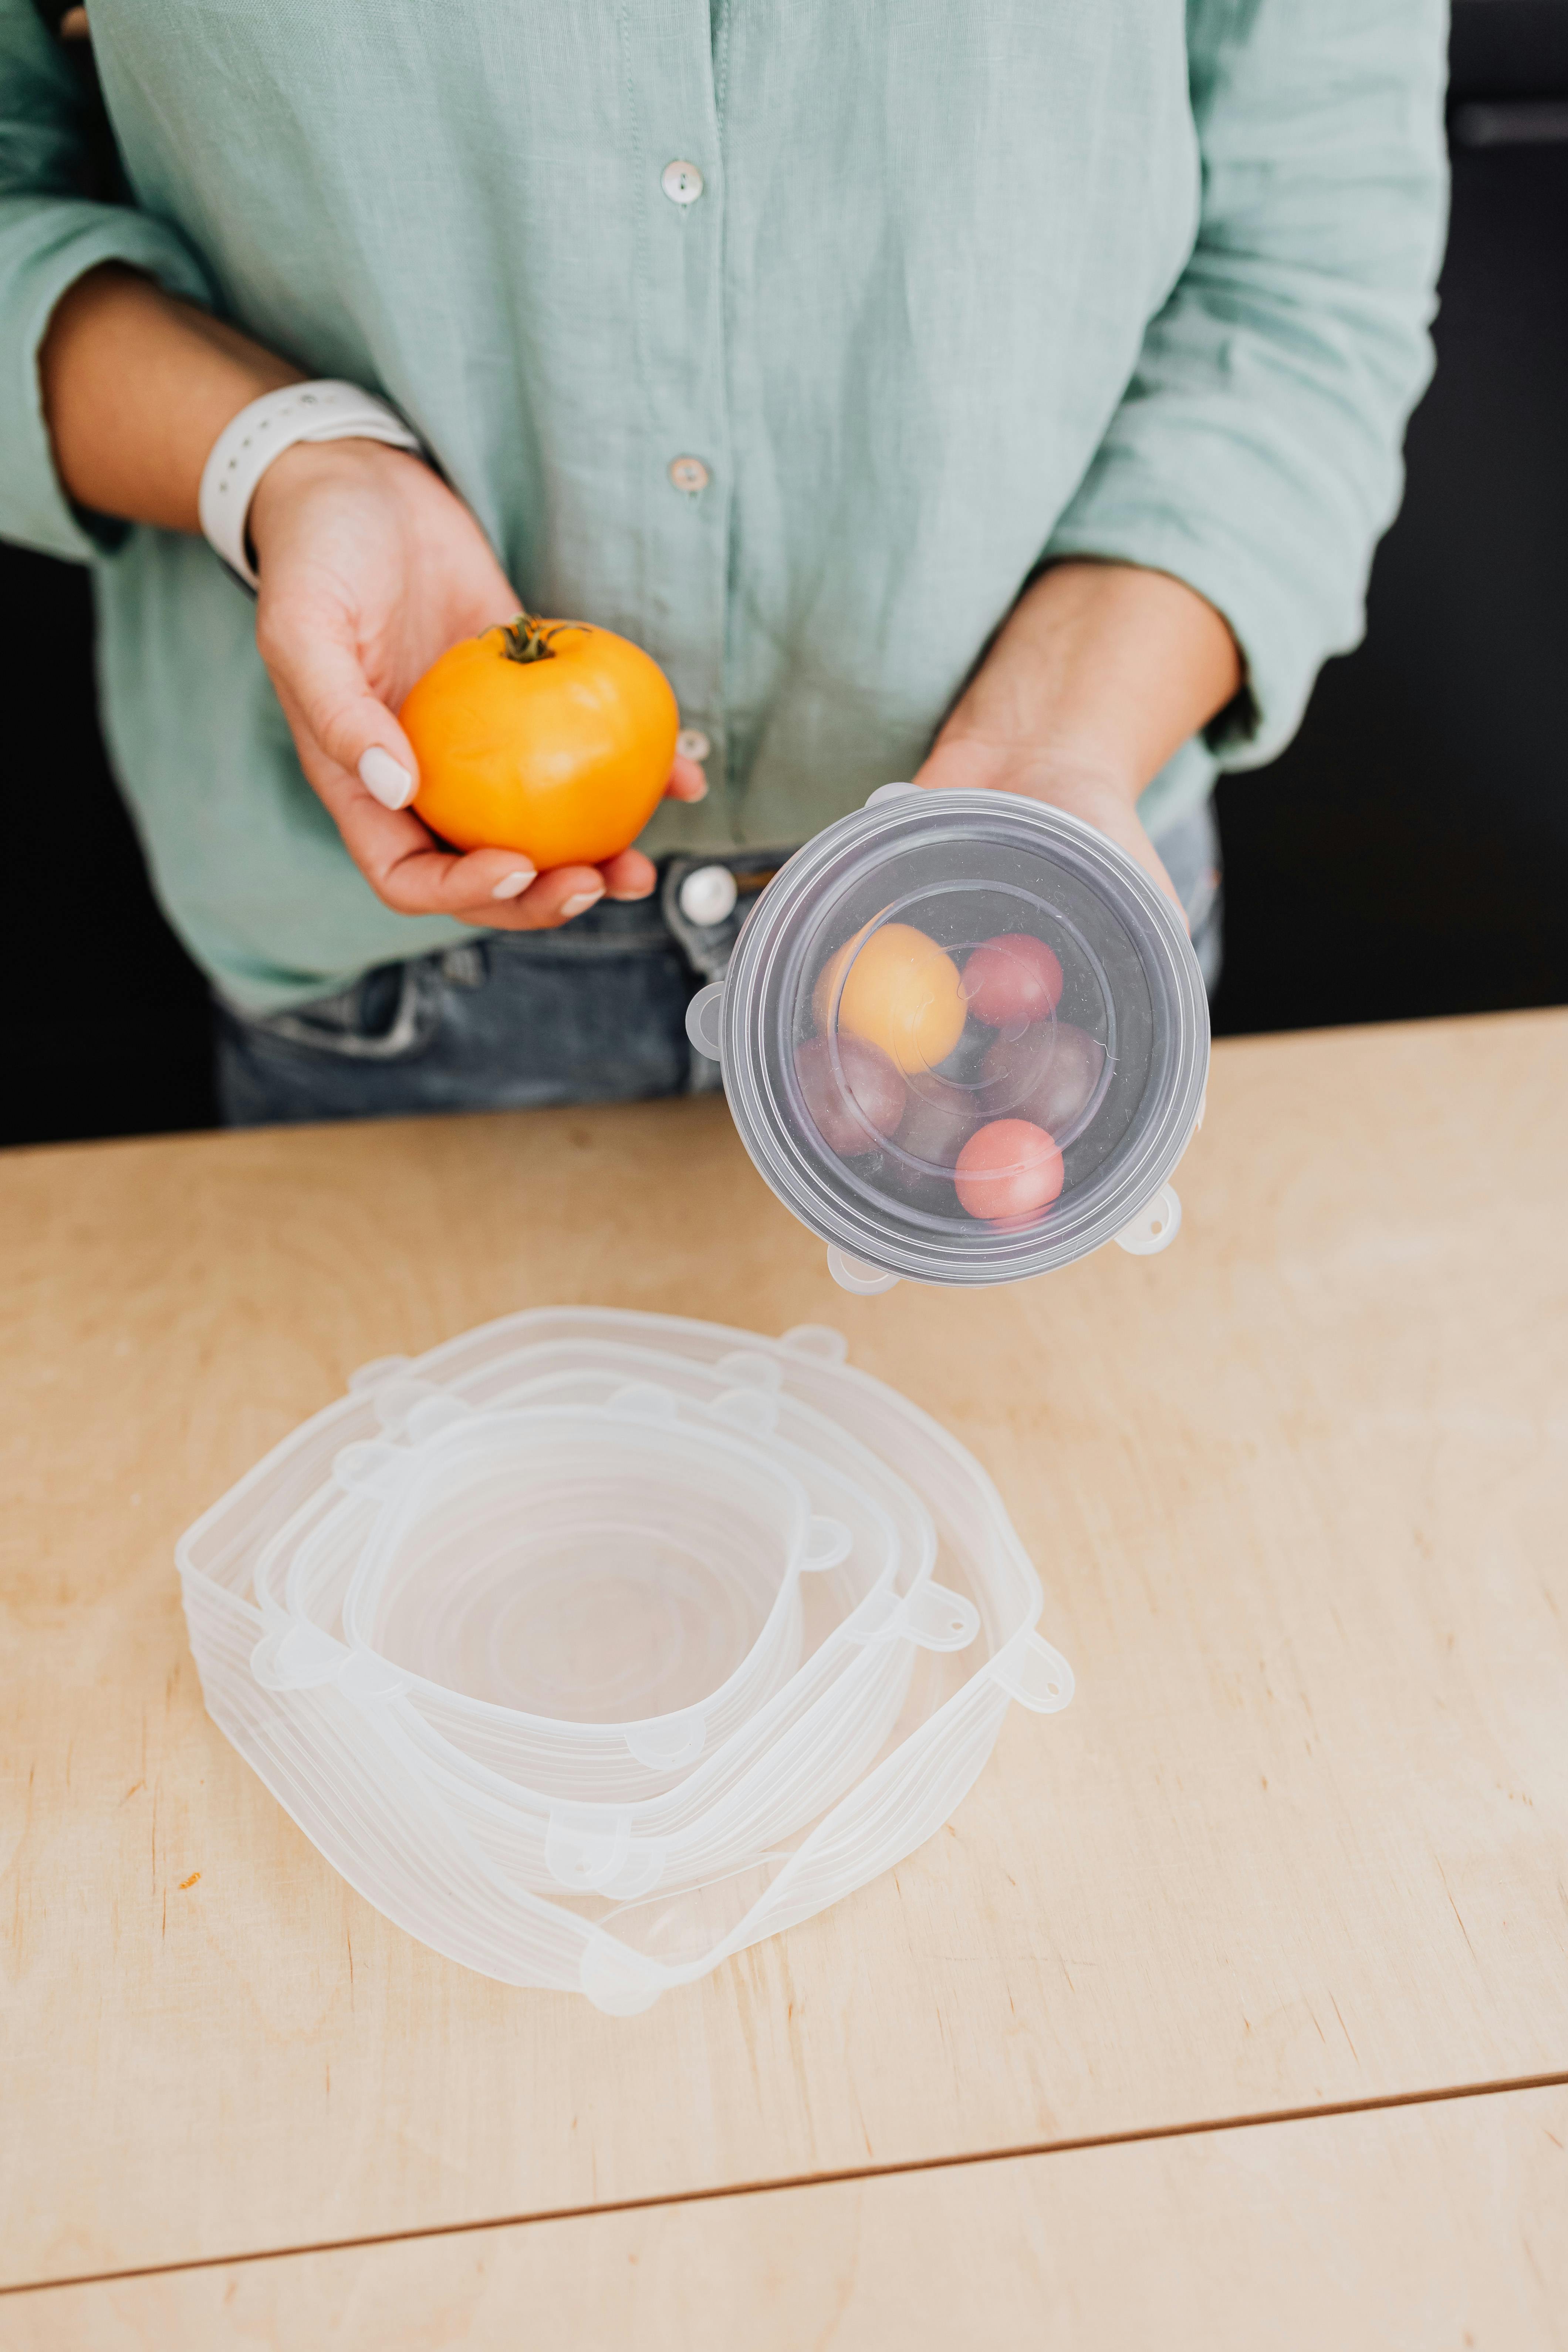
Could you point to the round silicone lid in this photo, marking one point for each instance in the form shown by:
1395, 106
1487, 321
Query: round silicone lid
964, 1036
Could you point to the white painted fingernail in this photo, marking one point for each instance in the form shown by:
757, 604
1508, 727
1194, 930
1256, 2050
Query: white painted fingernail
582, 902
513, 885
385, 778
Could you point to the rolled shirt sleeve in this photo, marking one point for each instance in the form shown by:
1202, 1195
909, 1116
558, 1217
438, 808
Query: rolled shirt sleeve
49, 236
1255, 454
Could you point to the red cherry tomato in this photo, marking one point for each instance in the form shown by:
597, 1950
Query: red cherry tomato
1049, 1075
1012, 979
874, 1100
939, 1120
1010, 1169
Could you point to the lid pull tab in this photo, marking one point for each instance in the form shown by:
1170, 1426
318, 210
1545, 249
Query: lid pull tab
930, 1617
751, 1410
1030, 1670
935, 1619
827, 1542
748, 1367
853, 1274
297, 1659
703, 1017
642, 1401
371, 1467
1155, 1226
820, 1342
396, 1397
617, 1980
434, 1413
580, 1852
667, 1741
379, 1369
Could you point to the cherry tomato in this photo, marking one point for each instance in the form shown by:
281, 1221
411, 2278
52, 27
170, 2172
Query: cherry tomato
547, 737
1010, 1169
938, 1121
869, 1095
900, 991
1012, 979
1049, 1075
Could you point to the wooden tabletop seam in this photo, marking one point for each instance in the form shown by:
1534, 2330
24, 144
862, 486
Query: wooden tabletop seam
967, 2161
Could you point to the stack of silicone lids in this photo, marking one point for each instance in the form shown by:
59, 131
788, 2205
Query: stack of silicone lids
965, 1039
593, 1647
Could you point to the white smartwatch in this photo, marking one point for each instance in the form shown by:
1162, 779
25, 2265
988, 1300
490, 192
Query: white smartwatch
327, 411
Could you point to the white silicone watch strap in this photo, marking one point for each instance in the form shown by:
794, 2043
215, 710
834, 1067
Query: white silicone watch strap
327, 411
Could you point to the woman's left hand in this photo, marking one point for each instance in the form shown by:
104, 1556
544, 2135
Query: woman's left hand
1102, 793
1099, 673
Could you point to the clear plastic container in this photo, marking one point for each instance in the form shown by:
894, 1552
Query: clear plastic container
336, 1756
965, 1039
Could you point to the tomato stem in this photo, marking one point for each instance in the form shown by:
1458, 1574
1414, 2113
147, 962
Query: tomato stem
527, 639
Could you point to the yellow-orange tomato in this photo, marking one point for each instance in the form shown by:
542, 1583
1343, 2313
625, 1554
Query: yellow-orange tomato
551, 738
901, 991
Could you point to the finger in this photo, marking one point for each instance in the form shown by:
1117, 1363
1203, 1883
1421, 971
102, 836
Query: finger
557, 897
399, 856
413, 873
686, 780
318, 671
493, 887
629, 876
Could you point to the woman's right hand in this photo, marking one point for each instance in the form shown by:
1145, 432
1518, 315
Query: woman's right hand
369, 568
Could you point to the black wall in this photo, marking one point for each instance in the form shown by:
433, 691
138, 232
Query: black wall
1408, 855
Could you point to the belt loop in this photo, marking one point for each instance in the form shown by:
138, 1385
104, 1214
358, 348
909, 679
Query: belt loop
708, 946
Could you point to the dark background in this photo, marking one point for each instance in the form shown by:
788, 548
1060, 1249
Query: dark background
1407, 856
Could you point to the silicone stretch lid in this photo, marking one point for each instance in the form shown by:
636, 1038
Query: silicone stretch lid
799, 1750
965, 1038
855, 1758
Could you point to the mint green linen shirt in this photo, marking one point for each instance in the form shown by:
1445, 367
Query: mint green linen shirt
971, 284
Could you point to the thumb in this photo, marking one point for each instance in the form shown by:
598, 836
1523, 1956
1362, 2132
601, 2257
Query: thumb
323, 679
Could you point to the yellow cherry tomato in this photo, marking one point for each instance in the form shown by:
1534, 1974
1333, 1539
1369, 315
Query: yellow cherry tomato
902, 992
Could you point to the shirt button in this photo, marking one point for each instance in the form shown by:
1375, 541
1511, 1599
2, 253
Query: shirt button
693, 744
682, 183
688, 474
708, 895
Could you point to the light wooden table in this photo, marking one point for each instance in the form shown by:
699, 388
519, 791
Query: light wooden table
1300, 1848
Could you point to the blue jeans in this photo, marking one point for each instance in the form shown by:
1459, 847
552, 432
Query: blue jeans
593, 1012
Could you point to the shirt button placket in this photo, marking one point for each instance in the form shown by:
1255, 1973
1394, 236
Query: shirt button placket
689, 572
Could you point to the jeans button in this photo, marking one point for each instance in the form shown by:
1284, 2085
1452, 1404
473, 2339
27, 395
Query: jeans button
708, 894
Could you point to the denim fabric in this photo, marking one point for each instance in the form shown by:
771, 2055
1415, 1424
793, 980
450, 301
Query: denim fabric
595, 1013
